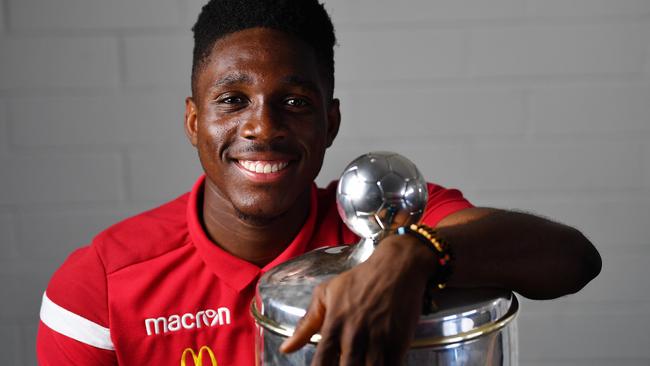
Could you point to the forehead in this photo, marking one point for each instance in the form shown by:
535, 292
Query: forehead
260, 54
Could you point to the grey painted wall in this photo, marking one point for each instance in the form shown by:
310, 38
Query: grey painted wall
542, 105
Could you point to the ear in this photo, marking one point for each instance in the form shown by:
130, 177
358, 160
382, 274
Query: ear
191, 121
333, 121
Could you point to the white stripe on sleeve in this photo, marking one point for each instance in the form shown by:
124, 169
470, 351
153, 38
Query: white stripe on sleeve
74, 326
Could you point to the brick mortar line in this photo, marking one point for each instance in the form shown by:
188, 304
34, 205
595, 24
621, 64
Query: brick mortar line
122, 62
126, 194
645, 162
70, 208
5, 16
494, 23
451, 24
447, 140
100, 33
136, 206
529, 126
497, 139
474, 82
13, 213
183, 10
9, 127
576, 194
5, 142
505, 80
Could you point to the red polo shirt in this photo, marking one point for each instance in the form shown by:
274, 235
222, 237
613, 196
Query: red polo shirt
154, 290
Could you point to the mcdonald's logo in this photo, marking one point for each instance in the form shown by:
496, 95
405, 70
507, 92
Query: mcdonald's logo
197, 357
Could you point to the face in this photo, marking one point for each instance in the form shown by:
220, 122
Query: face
261, 120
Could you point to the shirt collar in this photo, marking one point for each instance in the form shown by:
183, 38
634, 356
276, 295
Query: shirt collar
236, 272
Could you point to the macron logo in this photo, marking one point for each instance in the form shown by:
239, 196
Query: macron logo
173, 323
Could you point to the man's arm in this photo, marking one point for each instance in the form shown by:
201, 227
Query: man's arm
73, 328
367, 315
536, 257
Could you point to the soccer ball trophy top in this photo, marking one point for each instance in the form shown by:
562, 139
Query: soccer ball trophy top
379, 192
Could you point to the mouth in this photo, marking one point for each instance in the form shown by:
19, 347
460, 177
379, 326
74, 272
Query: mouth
263, 171
263, 167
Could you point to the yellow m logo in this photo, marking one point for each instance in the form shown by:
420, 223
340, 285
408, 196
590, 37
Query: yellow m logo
198, 356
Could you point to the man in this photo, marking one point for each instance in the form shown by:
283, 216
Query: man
173, 285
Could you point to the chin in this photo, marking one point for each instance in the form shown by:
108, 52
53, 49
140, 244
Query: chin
256, 219
259, 210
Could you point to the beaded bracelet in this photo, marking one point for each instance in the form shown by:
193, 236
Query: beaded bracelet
444, 257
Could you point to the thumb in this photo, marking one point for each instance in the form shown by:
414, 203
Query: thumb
310, 324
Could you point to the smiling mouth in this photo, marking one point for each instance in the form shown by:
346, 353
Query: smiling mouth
263, 167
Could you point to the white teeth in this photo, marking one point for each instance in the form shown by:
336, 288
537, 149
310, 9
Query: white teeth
263, 166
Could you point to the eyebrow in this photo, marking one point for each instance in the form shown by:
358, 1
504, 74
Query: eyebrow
231, 79
241, 78
302, 82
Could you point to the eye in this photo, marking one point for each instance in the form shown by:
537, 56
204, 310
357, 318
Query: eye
296, 102
231, 100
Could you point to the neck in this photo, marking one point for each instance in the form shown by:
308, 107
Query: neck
252, 239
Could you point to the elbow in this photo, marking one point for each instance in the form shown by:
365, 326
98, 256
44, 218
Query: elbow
587, 262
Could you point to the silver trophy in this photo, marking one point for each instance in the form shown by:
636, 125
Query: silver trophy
378, 193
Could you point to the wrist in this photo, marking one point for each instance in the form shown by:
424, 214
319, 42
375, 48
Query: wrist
439, 250
406, 256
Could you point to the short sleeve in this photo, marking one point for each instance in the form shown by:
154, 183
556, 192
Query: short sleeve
74, 321
442, 203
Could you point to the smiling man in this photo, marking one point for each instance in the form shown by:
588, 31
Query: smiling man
172, 285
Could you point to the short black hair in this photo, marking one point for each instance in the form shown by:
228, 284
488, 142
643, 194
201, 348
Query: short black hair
305, 19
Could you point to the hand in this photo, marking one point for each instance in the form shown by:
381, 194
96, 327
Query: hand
367, 315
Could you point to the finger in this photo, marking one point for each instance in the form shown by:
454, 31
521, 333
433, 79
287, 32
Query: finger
354, 344
384, 353
309, 325
375, 358
328, 351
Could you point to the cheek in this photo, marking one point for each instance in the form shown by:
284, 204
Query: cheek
211, 139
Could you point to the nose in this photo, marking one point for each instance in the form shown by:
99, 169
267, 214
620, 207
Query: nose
263, 125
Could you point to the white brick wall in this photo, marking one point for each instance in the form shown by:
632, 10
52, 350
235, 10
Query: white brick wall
4, 130
57, 62
421, 11
162, 173
8, 250
555, 166
123, 118
588, 110
557, 50
575, 333
162, 60
10, 345
435, 114
60, 178
587, 8
59, 232
93, 14
539, 105
646, 165
2, 17
362, 58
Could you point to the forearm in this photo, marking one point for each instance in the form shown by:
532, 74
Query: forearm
535, 257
